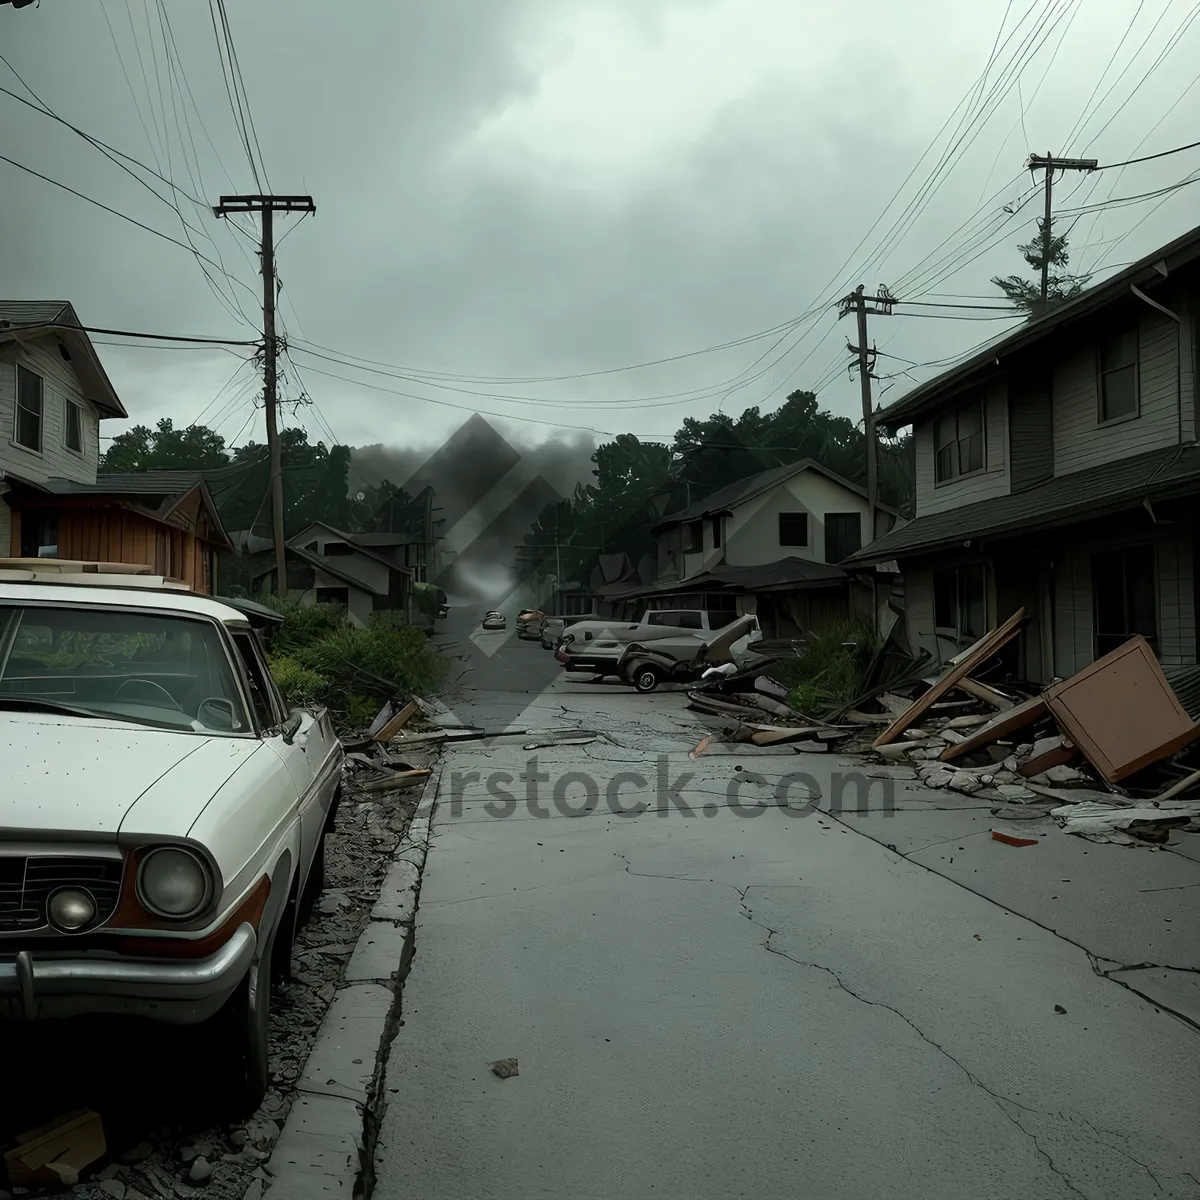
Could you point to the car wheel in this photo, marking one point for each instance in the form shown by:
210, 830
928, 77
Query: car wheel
645, 679
240, 1043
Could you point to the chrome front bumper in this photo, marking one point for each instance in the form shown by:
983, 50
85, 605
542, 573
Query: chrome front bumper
179, 992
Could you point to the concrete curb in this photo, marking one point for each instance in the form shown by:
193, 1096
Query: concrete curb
321, 1149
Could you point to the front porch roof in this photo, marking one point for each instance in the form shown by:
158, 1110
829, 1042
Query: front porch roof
1106, 488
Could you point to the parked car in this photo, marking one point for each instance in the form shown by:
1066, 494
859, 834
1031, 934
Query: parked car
494, 620
646, 667
551, 629
597, 646
163, 817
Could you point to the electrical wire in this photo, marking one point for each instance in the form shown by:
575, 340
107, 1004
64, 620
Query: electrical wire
1148, 157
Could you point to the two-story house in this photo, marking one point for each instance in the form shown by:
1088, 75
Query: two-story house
54, 393
327, 566
769, 544
1057, 470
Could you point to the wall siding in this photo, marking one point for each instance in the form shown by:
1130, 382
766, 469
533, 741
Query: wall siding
1030, 435
59, 386
1080, 441
993, 481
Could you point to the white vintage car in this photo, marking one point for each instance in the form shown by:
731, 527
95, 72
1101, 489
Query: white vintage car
162, 816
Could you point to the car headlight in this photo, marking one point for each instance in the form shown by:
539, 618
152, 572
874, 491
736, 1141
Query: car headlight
174, 882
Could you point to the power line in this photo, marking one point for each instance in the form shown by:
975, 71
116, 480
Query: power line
1148, 157
157, 337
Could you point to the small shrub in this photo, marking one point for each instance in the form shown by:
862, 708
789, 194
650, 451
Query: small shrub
356, 660
830, 668
303, 624
300, 686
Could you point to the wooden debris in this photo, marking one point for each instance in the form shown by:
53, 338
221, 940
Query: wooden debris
999, 727
1176, 788
397, 722
395, 781
55, 1153
1057, 756
976, 656
506, 1068
896, 705
989, 695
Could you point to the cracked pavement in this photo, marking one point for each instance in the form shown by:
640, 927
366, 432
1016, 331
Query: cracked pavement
765, 1002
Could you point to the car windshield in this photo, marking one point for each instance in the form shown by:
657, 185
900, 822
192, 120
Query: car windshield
144, 668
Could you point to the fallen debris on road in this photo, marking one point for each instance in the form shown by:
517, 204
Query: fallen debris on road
55, 1153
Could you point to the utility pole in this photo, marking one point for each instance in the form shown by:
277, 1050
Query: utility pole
266, 207
1049, 164
857, 303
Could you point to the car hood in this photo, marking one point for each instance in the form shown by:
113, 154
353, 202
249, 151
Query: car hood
72, 775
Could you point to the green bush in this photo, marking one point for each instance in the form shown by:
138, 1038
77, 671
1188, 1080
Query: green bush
354, 661
300, 686
829, 670
303, 624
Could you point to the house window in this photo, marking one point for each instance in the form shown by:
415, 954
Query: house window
793, 529
1123, 592
1118, 376
335, 549
39, 535
693, 537
843, 536
716, 532
72, 427
960, 602
28, 430
334, 595
958, 442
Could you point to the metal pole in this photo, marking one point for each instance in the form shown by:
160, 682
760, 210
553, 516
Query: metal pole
270, 384
1046, 232
864, 379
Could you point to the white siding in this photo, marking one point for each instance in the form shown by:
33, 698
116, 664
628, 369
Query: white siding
752, 530
1080, 441
59, 386
992, 481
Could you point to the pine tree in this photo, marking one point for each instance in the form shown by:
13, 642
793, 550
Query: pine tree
1061, 285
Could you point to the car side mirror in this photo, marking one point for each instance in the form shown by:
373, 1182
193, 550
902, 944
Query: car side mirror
291, 727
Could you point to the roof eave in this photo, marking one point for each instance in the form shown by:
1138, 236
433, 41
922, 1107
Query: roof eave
1153, 268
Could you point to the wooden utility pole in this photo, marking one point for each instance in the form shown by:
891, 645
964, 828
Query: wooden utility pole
856, 303
1049, 164
267, 206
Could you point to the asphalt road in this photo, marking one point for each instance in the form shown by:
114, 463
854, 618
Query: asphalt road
743, 1000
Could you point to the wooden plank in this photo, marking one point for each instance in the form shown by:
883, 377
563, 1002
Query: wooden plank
999, 727
401, 719
983, 650
1058, 757
988, 695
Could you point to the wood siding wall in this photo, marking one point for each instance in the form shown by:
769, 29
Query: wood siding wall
59, 387
1080, 441
1030, 432
116, 535
993, 481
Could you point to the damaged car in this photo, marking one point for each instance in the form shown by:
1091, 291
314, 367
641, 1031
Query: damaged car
164, 818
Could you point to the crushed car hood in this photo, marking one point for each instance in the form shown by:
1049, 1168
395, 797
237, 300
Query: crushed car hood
74, 775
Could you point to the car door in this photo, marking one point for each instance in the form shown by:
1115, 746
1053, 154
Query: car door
299, 756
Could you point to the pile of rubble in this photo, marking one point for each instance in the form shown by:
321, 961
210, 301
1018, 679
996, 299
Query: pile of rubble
1109, 753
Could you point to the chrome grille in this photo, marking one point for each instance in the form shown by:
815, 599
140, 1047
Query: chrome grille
26, 883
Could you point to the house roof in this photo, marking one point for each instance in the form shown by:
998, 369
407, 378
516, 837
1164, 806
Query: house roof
1146, 272
322, 564
351, 539
413, 537
131, 487
746, 489
798, 573
1109, 487
58, 317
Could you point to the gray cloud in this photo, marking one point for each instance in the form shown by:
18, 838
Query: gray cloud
524, 188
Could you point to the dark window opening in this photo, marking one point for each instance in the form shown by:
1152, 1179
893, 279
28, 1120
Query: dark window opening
681, 619
257, 680
334, 595
793, 529
843, 536
1118, 376
28, 430
693, 537
958, 442
73, 427
960, 602
716, 532
39, 535
338, 549
1123, 591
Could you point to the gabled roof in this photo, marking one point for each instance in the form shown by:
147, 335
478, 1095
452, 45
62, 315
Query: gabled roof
743, 490
1143, 274
57, 317
350, 539
1109, 487
267, 565
132, 488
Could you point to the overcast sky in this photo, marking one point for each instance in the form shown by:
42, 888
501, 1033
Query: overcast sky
549, 187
